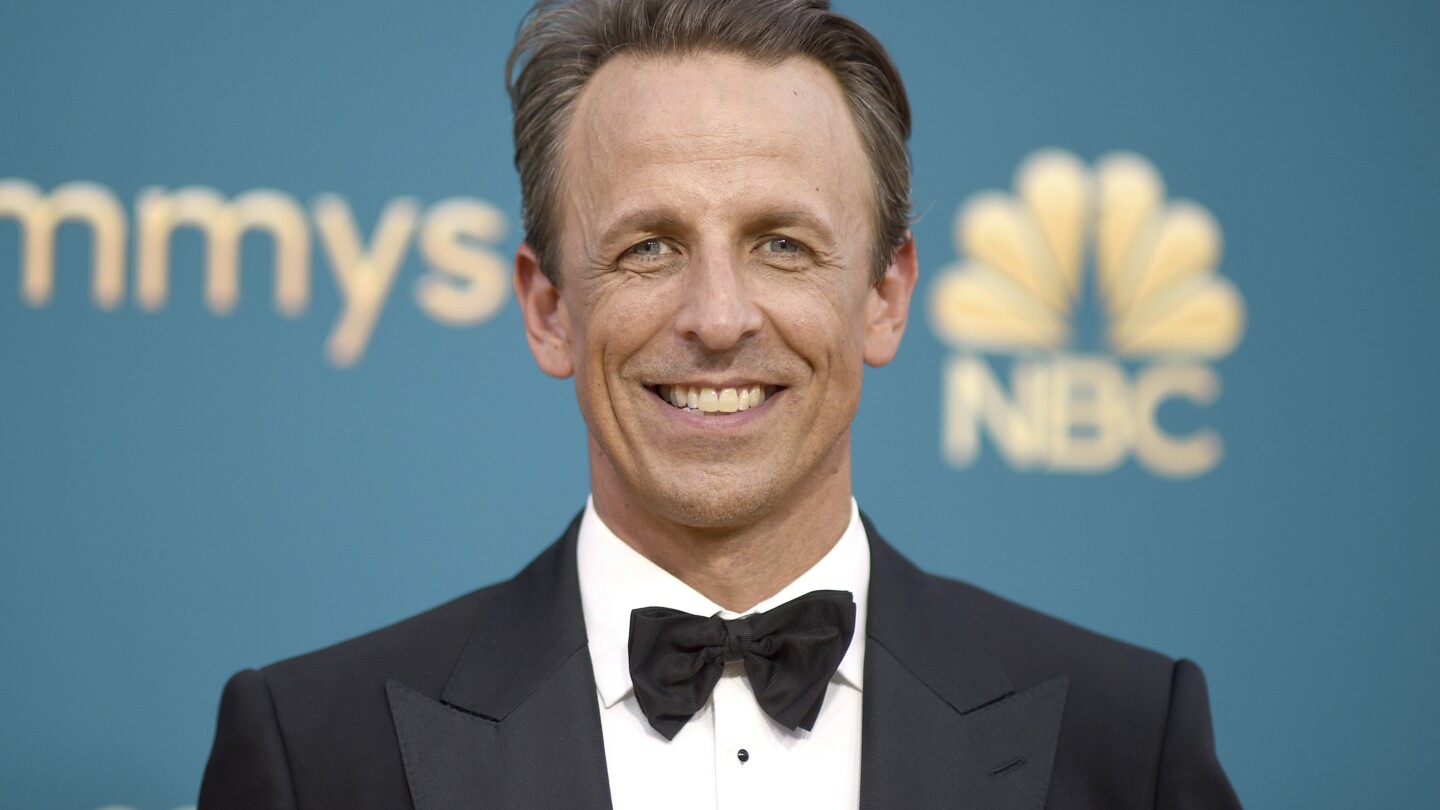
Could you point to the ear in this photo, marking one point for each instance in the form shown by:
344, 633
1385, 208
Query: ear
547, 321
889, 306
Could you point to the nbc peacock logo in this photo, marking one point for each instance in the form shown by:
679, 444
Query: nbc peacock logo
1078, 399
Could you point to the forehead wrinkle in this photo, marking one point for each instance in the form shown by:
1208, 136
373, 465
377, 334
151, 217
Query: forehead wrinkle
724, 137
735, 153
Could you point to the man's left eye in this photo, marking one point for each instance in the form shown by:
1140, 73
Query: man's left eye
781, 244
651, 247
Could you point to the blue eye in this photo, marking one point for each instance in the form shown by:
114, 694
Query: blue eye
651, 247
782, 245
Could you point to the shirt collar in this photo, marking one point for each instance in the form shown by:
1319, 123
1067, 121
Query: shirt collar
615, 579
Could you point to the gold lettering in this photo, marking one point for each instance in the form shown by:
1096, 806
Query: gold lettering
477, 283
973, 396
364, 278
1164, 454
1090, 415
39, 216
224, 224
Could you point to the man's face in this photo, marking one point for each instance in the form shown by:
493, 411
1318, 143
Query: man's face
716, 231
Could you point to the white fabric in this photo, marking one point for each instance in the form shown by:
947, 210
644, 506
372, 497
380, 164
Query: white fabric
700, 767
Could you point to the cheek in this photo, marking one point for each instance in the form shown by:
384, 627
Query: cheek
822, 323
587, 340
617, 325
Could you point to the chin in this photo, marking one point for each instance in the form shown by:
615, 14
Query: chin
712, 506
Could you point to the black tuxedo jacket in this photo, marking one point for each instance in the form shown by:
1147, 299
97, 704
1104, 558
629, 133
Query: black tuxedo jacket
489, 702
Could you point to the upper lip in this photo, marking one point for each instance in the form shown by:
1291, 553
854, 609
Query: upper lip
738, 382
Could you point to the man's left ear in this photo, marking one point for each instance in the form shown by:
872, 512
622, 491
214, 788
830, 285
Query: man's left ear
889, 305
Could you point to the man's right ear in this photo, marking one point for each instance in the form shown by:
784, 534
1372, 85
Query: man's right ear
547, 321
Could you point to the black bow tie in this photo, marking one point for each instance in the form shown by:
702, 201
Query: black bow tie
790, 653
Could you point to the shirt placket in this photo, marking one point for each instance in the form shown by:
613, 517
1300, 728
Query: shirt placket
739, 751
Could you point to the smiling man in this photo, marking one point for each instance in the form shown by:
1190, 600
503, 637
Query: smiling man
716, 303
717, 201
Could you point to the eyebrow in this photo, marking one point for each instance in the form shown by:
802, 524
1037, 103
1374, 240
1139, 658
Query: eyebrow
650, 219
786, 218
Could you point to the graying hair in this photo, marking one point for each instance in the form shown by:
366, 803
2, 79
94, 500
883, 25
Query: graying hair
563, 42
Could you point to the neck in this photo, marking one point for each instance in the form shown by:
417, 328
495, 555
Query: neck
748, 559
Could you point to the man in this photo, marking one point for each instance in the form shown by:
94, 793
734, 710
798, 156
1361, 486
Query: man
716, 199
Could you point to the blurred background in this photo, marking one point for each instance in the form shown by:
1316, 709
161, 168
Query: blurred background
263, 387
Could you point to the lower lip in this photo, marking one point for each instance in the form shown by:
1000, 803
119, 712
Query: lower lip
718, 421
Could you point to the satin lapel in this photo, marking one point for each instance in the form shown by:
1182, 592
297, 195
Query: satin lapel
518, 724
943, 726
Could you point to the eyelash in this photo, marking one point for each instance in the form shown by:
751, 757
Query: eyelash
633, 251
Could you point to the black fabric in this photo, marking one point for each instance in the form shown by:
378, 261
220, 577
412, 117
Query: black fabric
453, 757
249, 759
789, 653
1189, 769
996, 757
499, 708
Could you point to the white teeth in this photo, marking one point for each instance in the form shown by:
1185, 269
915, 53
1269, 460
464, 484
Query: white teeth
711, 400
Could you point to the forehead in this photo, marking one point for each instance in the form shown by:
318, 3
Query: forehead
708, 98
712, 125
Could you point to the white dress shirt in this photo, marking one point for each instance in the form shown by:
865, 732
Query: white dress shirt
702, 766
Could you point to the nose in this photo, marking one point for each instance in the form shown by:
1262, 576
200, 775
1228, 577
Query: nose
719, 309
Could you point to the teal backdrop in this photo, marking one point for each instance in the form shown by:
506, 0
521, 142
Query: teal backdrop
185, 491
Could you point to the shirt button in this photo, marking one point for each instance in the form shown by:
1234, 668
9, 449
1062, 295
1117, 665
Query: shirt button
742, 755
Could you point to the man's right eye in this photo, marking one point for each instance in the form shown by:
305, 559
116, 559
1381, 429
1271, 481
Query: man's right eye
651, 247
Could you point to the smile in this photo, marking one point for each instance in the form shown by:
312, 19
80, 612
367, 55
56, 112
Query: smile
707, 400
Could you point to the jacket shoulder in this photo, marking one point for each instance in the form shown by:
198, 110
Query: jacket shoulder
1030, 646
315, 730
1031, 642
325, 715
418, 650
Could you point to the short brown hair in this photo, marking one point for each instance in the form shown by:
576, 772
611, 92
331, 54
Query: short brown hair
563, 42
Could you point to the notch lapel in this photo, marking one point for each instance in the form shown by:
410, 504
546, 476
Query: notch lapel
942, 724
518, 723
